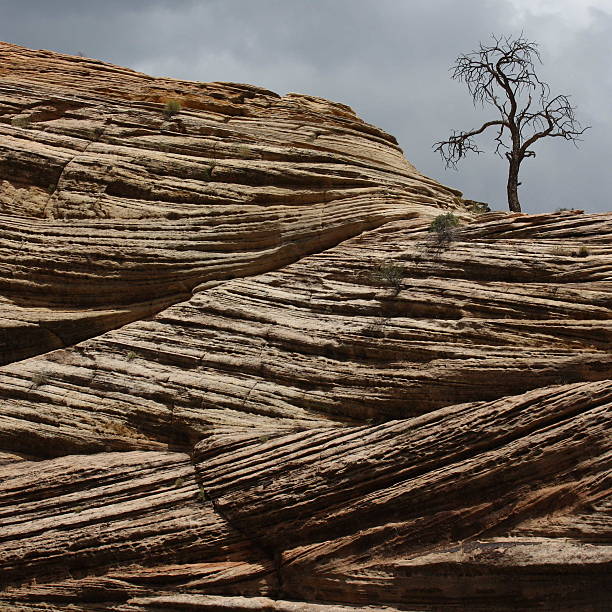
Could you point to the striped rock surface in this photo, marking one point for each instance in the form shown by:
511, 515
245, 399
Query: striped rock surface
239, 373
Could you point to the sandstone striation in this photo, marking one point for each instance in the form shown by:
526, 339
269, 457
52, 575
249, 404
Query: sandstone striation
111, 210
239, 373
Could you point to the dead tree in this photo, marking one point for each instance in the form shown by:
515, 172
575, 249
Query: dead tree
503, 75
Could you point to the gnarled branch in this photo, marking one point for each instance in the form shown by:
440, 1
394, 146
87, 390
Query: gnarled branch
461, 143
503, 74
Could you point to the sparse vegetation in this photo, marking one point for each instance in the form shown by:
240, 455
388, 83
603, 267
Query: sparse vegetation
389, 274
443, 230
207, 172
179, 482
243, 151
478, 208
21, 121
560, 251
122, 429
39, 379
583, 251
172, 108
443, 223
131, 355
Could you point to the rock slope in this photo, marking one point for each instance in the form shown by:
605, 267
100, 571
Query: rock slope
239, 373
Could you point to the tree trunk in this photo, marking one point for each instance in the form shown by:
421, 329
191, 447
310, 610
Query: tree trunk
513, 200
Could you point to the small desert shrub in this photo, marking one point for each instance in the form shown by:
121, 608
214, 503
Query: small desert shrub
583, 251
179, 482
39, 379
122, 429
173, 107
389, 274
243, 151
131, 355
560, 251
443, 223
21, 121
478, 208
443, 229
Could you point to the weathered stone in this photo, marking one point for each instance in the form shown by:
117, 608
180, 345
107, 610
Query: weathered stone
240, 373
110, 211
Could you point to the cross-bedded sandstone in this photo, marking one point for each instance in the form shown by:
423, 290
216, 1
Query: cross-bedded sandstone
240, 373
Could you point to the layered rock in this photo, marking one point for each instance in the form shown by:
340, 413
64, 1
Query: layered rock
112, 210
240, 373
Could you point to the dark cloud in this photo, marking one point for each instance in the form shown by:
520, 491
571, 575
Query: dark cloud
387, 59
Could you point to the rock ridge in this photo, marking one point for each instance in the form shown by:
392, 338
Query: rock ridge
238, 372
144, 207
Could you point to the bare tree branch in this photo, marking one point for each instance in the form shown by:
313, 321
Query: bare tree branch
460, 143
503, 75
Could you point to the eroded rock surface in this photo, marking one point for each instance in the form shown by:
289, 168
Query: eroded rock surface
111, 210
239, 372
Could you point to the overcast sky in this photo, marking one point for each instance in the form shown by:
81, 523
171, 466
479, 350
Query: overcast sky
387, 59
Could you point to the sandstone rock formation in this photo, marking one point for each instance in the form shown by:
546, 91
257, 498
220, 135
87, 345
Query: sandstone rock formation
239, 373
